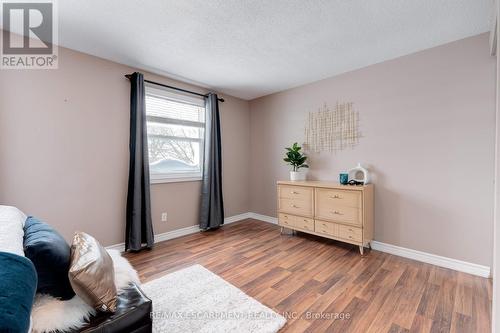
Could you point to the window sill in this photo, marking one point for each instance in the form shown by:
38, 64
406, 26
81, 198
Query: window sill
174, 180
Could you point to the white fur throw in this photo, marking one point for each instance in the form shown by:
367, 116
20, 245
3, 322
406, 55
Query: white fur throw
12, 230
50, 314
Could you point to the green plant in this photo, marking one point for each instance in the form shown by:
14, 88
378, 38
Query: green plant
295, 158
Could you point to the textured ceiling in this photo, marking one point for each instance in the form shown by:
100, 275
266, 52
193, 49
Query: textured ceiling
251, 48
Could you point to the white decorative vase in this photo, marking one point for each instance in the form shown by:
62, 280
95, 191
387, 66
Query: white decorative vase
359, 174
297, 175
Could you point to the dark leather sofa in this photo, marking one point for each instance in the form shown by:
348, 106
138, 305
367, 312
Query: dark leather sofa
133, 315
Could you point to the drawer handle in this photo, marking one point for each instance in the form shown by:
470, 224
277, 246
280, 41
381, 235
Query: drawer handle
350, 237
324, 225
294, 206
336, 196
293, 192
336, 212
350, 230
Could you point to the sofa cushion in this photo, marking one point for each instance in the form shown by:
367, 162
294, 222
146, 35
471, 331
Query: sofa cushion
17, 291
11, 230
91, 273
50, 254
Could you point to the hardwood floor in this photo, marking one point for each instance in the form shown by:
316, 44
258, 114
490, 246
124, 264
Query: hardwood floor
324, 285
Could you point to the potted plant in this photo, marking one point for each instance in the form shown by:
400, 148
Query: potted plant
297, 160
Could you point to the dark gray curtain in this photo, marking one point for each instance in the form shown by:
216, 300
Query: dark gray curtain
139, 229
212, 205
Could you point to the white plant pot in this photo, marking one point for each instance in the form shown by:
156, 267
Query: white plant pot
298, 175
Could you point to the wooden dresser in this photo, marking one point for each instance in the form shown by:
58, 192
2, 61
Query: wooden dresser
327, 209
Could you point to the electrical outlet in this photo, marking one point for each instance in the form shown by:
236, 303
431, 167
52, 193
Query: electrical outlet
164, 217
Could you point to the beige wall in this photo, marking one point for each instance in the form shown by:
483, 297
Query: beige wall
64, 149
428, 121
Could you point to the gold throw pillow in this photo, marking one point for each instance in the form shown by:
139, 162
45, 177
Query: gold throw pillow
91, 273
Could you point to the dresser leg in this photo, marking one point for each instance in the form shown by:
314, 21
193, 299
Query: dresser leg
361, 249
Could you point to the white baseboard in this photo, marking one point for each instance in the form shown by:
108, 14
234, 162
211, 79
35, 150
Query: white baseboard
458, 265
184, 231
236, 218
265, 218
162, 237
119, 247
429, 258
176, 233
250, 215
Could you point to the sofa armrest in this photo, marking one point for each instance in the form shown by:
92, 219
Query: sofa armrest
133, 314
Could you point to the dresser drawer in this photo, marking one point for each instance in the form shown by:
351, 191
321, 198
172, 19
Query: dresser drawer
286, 220
351, 233
329, 212
324, 227
296, 206
295, 192
303, 223
344, 198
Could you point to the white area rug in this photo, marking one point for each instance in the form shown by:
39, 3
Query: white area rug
196, 300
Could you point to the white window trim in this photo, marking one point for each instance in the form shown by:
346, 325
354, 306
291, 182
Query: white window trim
170, 178
154, 90
187, 176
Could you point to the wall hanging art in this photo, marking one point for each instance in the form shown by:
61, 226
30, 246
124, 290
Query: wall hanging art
332, 129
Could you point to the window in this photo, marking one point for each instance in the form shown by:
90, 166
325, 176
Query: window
176, 124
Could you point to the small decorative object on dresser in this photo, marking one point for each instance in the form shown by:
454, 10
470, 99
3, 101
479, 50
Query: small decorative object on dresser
297, 160
327, 209
344, 178
359, 175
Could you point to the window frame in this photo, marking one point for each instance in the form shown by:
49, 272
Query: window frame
160, 92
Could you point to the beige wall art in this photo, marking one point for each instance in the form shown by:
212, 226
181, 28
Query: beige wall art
332, 129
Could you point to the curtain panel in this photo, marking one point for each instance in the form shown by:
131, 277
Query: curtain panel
139, 227
212, 203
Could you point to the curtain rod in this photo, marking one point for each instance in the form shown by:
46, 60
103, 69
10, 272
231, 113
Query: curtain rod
128, 76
